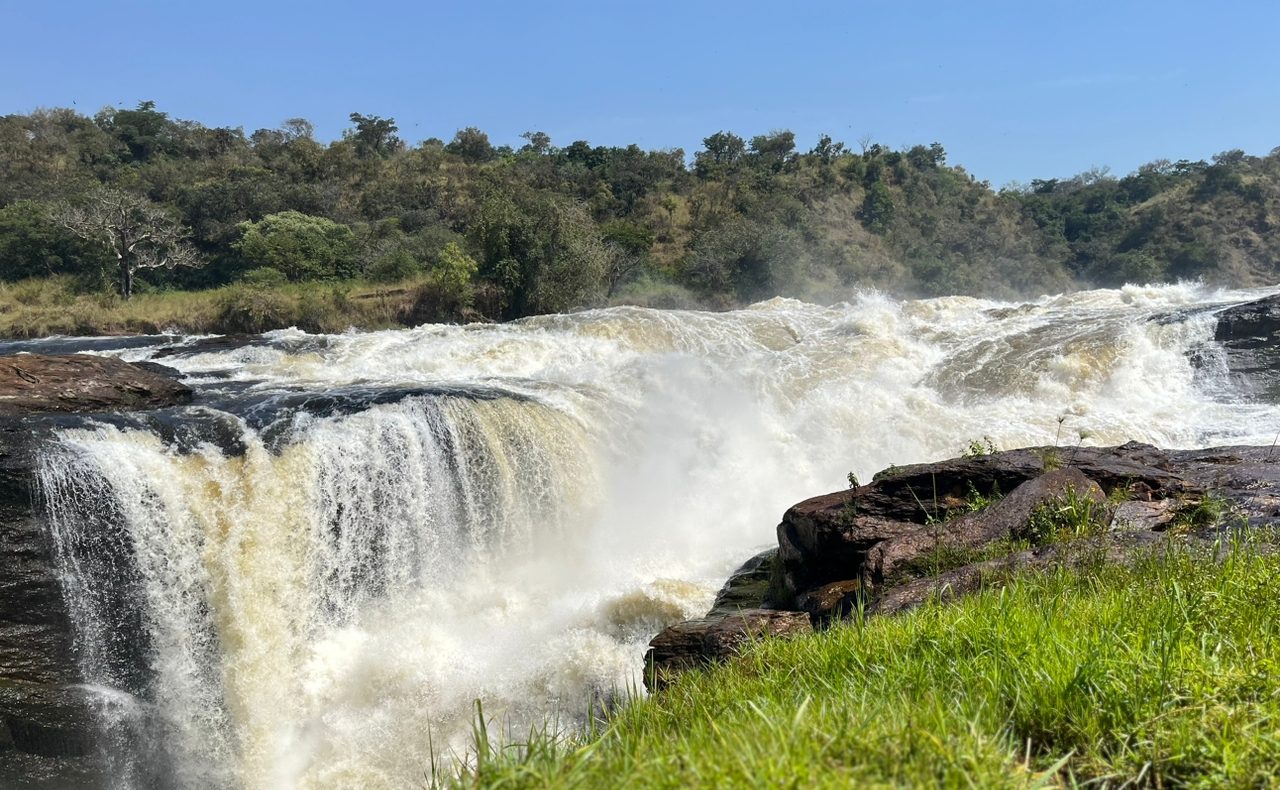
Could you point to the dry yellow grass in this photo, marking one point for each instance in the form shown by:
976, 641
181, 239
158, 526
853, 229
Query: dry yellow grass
51, 306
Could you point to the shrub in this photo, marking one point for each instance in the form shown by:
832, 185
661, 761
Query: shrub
394, 267
264, 277
1071, 515
301, 246
248, 309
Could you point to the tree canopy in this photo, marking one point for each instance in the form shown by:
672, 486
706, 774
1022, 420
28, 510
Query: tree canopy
540, 227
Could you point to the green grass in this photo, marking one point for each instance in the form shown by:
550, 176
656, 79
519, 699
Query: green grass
1161, 674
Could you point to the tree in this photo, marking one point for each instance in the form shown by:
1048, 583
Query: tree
827, 150
723, 150
472, 145
139, 233
774, 150
447, 294
145, 131
34, 244
373, 136
300, 245
745, 260
543, 253
620, 265
878, 208
538, 143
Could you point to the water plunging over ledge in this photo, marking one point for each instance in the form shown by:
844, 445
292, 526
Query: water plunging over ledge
306, 577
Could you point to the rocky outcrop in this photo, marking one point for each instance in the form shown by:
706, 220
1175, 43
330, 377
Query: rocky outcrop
37, 383
945, 529
740, 612
47, 732
1250, 325
870, 533
1247, 337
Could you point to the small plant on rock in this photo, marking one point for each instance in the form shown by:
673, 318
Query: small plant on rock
1210, 511
976, 500
980, 447
851, 504
1071, 515
1050, 458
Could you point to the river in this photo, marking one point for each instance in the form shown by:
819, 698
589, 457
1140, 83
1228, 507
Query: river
307, 577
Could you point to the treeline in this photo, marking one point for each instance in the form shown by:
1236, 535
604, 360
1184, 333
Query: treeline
501, 231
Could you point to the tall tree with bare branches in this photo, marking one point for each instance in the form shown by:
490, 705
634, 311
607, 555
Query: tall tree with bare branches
141, 234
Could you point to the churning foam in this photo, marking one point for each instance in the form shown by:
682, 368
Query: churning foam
322, 609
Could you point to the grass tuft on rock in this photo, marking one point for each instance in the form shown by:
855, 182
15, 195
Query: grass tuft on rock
1164, 673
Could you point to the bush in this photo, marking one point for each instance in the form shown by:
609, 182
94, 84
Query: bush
301, 246
248, 309
264, 277
448, 293
1072, 515
394, 267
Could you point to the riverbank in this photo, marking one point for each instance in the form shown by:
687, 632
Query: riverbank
53, 306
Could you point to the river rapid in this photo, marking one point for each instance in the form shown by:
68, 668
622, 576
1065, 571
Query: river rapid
307, 577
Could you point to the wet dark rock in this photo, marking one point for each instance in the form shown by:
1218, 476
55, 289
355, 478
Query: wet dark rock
48, 734
741, 611
696, 643
210, 345
830, 601
1250, 325
158, 369
46, 727
748, 586
36, 383
1248, 337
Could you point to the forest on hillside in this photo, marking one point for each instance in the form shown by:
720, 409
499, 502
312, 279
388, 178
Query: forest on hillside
494, 231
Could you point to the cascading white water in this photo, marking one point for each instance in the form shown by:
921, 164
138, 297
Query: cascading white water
319, 605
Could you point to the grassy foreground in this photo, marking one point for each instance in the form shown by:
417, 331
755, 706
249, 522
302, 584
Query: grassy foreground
1163, 674
55, 306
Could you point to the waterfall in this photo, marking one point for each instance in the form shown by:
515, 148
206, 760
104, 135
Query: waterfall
390, 525
201, 582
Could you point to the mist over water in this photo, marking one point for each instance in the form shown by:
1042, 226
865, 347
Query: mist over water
353, 537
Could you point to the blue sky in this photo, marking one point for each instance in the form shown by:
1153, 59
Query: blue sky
1013, 90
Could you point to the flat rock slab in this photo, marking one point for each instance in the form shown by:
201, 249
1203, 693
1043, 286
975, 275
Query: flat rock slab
39, 384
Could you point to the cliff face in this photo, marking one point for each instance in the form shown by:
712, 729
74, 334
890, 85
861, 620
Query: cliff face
47, 730
47, 735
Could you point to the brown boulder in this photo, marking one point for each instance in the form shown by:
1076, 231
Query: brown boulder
1005, 518
831, 537
696, 643
37, 383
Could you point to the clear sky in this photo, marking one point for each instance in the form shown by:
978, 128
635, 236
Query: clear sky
1013, 90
